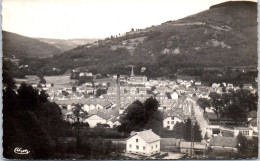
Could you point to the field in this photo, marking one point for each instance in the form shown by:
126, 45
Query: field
62, 81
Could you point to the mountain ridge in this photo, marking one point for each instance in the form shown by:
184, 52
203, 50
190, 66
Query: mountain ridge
18, 46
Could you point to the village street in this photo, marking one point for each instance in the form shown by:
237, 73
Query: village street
199, 117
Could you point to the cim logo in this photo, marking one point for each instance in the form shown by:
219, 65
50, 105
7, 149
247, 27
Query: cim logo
21, 151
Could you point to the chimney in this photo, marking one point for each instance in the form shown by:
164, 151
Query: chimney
118, 102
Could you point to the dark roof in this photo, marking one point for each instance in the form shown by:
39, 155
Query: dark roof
224, 141
253, 122
252, 114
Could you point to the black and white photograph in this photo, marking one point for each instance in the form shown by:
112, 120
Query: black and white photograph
129, 79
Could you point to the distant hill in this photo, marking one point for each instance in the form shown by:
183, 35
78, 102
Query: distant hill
19, 46
66, 44
224, 36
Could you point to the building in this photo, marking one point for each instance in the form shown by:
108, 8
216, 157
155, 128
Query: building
174, 95
137, 80
199, 148
246, 131
171, 119
170, 144
94, 119
144, 142
222, 143
198, 83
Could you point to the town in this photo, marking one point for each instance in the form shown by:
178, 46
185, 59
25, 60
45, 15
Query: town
101, 102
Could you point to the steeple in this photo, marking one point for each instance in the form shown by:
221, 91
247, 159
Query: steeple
132, 72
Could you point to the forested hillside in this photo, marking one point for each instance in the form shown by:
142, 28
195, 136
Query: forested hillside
222, 37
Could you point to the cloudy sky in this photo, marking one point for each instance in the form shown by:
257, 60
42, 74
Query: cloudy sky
64, 19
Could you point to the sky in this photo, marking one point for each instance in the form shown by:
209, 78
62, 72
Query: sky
66, 19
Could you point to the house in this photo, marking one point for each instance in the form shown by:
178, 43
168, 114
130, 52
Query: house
197, 83
144, 142
222, 143
94, 119
246, 131
248, 86
199, 148
171, 118
174, 95
215, 85
137, 80
229, 86
113, 122
142, 90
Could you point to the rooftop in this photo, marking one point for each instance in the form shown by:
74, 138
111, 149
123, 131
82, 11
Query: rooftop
223, 141
148, 135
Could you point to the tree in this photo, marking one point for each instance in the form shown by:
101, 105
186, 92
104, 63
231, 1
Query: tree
139, 116
42, 81
133, 118
203, 103
79, 113
100, 91
242, 143
216, 103
74, 89
168, 94
151, 106
247, 148
187, 130
179, 129
236, 113
245, 99
196, 131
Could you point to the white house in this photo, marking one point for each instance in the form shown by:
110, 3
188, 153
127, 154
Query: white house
93, 120
174, 95
144, 142
170, 121
246, 131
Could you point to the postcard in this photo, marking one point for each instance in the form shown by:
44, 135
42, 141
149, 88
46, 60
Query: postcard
129, 79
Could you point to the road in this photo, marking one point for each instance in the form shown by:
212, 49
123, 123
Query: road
199, 117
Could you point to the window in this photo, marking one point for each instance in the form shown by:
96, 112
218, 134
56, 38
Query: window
168, 122
130, 146
137, 140
156, 145
152, 147
168, 127
246, 133
172, 117
137, 147
172, 122
143, 147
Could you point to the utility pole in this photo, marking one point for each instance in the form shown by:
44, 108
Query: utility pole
192, 131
